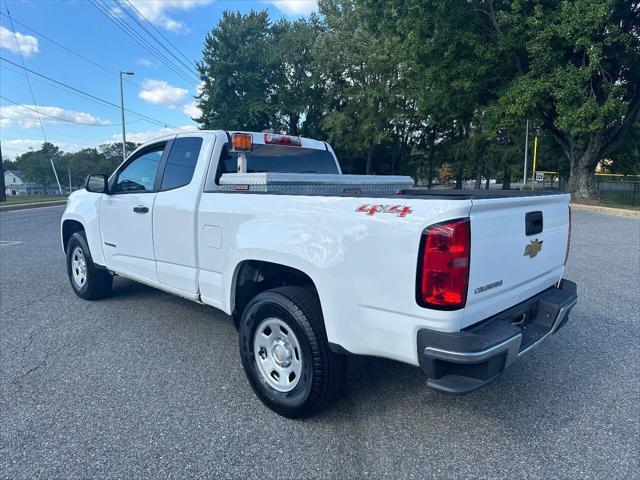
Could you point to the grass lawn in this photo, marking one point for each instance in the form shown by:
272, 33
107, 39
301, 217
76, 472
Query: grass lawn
613, 201
18, 199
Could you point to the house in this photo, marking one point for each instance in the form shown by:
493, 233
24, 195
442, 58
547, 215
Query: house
16, 184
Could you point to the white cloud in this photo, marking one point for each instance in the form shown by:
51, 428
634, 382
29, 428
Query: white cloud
295, 7
148, 135
144, 62
156, 11
28, 44
162, 93
191, 110
27, 117
18, 146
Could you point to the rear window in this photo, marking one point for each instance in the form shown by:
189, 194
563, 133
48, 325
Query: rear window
284, 159
181, 162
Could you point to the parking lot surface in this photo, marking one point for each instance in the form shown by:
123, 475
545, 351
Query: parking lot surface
145, 384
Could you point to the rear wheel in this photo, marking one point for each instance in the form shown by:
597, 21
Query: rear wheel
87, 281
285, 353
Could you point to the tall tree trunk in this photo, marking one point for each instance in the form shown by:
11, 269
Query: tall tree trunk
478, 177
294, 118
459, 174
459, 181
582, 185
369, 159
506, 177
487, 182
582, 164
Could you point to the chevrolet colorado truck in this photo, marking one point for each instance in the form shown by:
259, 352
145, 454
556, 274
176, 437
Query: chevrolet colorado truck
313, 265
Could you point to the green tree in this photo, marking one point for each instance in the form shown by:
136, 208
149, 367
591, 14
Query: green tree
626, 159
36, 166
298, 91
86, 162
573, 66
113, 152
576, 67
239, 71
361, 81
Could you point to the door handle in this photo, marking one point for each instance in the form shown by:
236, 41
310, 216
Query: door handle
140, 209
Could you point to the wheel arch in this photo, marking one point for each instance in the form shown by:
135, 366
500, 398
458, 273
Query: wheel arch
251, 277
69, 227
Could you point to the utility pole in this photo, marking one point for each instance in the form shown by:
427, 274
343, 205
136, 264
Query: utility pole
3, 193
69, 173
124, 138
526, 153
56, 175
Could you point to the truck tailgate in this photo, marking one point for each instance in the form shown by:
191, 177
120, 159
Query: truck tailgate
518, 249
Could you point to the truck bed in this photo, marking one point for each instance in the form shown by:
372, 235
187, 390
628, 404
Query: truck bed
454, 194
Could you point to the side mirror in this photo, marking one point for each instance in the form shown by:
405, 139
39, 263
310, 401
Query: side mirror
97, 183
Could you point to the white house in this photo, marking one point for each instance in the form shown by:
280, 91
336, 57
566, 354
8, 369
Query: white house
16, 184
13, 183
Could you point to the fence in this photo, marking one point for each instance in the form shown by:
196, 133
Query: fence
614, 190
618, 190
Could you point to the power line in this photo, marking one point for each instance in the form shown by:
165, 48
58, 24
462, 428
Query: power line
186, 65
159, 32
88, 60
57, 138
82, 95
62, 46
102, 100
133, 34
33, 97
54, 134
59, 118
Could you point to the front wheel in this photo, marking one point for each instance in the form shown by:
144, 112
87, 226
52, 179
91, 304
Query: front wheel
88, 282
285, 353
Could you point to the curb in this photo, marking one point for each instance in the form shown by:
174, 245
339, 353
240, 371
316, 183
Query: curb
26, 206
619, 212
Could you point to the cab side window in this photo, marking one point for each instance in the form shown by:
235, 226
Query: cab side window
181, 162
140, 174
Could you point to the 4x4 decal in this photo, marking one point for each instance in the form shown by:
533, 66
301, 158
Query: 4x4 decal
399, 210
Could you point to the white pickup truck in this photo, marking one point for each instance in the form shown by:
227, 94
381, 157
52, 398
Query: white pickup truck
313, 265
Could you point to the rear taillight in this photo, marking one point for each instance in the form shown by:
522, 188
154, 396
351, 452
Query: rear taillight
443, 265
566, 255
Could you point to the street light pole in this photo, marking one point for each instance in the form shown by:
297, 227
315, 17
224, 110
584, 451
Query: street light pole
124, 138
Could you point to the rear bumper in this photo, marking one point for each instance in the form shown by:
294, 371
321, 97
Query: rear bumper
464, 361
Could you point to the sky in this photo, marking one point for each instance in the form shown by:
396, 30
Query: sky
54, 35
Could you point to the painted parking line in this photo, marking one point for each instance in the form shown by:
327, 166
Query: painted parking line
6, 243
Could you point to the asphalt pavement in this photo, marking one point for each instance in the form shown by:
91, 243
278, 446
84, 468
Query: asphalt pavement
145, 384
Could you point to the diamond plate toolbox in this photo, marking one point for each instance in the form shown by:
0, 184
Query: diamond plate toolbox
314, 183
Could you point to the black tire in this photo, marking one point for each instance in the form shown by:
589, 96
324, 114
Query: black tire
97, 281
322, 370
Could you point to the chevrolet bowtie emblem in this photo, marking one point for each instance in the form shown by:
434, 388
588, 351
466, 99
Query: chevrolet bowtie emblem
533, 248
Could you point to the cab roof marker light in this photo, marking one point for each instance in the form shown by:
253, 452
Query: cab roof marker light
277, 139
241, 142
